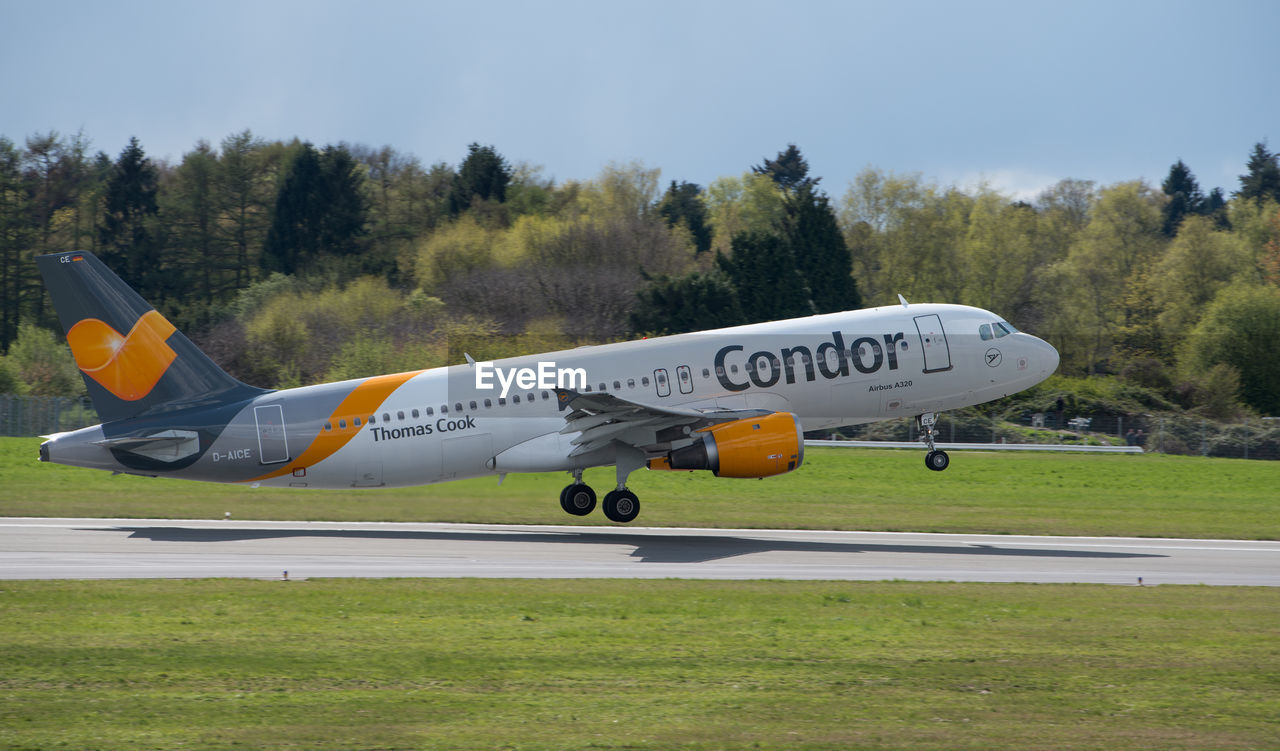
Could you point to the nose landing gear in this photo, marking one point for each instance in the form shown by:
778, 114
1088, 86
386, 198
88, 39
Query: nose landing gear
936, 460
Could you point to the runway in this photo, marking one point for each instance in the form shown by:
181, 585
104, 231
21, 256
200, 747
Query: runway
160, 548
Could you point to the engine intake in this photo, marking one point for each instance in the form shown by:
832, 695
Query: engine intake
755, 447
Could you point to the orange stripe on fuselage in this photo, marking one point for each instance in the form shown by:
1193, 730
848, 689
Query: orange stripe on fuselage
363, 401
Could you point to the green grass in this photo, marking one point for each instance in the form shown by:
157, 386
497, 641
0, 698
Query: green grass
456, 664
837, 488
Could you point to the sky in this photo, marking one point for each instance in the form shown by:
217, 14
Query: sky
1017, 94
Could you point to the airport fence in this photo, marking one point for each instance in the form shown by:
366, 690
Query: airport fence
42, 415
1244, 438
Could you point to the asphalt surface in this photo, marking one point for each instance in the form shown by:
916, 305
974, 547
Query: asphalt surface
159, 548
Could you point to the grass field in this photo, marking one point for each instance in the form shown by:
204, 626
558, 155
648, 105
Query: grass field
845, 488
397, 664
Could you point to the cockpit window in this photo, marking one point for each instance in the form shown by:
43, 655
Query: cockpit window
985, 332
1002, 329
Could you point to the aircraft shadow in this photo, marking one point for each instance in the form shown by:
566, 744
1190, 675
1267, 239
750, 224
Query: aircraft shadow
647, 548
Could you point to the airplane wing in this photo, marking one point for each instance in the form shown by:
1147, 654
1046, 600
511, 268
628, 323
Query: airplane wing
602, 418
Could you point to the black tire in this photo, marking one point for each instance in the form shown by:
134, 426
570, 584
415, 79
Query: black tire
937, 460
578, 499
621, 506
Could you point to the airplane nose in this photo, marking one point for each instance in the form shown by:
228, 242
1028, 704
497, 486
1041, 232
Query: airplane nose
1047, 356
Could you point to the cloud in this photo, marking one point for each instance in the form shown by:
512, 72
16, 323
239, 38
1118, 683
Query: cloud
1017, 184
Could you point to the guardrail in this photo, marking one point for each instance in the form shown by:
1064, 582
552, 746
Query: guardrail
980, 446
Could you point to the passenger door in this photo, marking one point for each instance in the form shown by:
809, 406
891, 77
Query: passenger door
273, 444
933, 342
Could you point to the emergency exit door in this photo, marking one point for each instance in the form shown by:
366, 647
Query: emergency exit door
933, 342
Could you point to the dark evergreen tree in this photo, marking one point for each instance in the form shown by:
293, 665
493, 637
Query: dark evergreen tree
1262, 181
765, 277
694, 302
1184, 197
128, 233
1215, 207
320, 210
484, 175
346, 206
682, 203
820, 252
789, 171
16, 236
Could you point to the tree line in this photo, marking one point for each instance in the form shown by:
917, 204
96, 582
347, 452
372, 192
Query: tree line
292, 263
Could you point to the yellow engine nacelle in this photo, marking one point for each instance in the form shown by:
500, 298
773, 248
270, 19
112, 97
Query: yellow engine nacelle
755, 447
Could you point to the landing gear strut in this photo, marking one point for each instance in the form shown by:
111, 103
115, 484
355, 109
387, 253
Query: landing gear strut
936, 459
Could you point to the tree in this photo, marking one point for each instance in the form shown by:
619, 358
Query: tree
789, 171
820, 252
244, 200
1198, 263
682, 205
483, 175
192, 213
1240, 328
694, 302
765, 276
129, 233
1184, 197
320, 210
16, 236
1124, 237
1262, 181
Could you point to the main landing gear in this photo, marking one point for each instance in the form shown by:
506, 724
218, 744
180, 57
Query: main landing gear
619, 505
936, 459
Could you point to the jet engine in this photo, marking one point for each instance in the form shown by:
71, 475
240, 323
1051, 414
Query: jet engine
754, 447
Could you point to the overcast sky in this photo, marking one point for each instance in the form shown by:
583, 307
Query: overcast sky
1019, 93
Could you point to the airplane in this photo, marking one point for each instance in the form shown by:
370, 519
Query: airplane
732, 401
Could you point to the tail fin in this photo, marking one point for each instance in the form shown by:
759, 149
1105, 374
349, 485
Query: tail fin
133, 360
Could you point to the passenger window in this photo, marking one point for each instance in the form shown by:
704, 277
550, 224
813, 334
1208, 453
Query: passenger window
706, 373
444, 409
342, 423
531, 397
502, 402
415, 414
515, 399
430, 412
603, 387
328, 426
458, 407
631, 383
400, 415
473, 405
545, 396
355, 422
644, 380
617, 386
587, 388
488, 403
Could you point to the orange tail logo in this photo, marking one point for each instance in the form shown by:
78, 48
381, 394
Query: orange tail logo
127, 366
